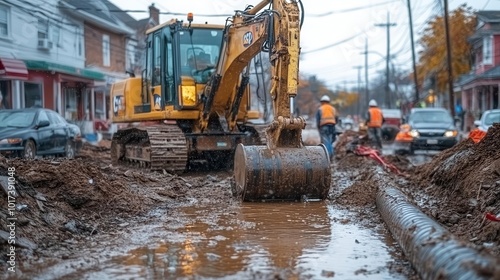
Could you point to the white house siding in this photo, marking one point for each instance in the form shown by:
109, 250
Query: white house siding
63, 45
23, 41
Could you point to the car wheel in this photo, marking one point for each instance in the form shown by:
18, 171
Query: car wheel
29, 150
69, 150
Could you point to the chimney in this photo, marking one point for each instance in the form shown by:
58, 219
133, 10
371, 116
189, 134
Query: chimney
154, 13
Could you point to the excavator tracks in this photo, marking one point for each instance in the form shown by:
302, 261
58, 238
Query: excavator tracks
159, 147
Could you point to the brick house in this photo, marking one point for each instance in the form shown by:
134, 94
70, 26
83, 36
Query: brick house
480, 88
114, 43
109, 46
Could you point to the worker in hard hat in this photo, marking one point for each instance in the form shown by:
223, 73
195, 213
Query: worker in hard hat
374, 121
326, 119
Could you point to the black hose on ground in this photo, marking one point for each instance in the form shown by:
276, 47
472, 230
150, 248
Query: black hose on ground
433, 251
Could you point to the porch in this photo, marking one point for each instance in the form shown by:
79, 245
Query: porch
479, 93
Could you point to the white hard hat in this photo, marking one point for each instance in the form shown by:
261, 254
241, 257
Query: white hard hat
325, 98
372, 103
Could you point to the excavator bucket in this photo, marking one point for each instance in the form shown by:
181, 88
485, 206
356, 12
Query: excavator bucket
263, 174
284, 169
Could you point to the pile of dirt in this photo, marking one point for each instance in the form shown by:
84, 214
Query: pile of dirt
347, 140
76, 182
64, 199
466, 181
100, 152
68, 200
457, 187
362, 192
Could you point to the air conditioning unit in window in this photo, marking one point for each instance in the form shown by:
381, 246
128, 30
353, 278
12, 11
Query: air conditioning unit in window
44, 44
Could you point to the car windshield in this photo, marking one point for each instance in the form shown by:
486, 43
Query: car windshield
16, 118
431, 117
492, 118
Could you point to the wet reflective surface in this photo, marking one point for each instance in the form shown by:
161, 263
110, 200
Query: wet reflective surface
253, 240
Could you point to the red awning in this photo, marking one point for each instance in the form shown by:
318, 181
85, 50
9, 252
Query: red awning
13, 69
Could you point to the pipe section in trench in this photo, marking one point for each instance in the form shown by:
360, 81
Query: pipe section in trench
433, 251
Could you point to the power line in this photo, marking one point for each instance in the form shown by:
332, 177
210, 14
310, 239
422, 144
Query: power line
351, 9
334, 44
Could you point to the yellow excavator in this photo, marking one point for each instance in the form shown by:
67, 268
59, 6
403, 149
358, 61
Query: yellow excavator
193, 103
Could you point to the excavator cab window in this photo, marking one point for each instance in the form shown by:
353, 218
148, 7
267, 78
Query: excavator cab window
199, 53
169, 74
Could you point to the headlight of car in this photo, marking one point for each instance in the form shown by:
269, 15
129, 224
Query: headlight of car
451, 133
11, 141
414, 133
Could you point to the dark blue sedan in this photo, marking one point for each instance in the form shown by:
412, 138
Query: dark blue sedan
34, 132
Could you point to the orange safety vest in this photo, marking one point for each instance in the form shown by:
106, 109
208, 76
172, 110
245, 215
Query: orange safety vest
375, 117
327, 114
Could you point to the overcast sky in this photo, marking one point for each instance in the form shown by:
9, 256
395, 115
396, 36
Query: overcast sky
334, 31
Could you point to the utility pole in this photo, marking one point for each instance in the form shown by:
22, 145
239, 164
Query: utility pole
448, 55
415, 76
388, 26
359, 89
367, 94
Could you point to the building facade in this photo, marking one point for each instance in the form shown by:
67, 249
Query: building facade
480, 88
65, 55
43, 58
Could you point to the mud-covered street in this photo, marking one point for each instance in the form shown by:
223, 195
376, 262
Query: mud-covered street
88, 219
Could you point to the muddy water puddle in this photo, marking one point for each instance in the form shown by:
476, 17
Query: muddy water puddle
252, 241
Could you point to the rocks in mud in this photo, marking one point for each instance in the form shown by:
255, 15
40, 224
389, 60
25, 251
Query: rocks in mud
77, 227
20, 241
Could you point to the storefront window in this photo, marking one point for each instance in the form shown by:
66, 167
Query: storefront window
99, 105
70, 112
4, 97
32, 95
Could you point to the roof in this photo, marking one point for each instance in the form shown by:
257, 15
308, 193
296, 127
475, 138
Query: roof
493, 73
100, 12
488, 16
139, 23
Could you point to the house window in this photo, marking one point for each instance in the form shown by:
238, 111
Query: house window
4, 21
32, 95
130, 61
43, 29
488, 50
56, 35
106, 52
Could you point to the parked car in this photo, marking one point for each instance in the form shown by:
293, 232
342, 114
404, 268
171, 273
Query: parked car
427, 129
392, 123
36, 132
488, 118
346, 123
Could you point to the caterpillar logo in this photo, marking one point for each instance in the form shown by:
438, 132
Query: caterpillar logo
247, 39
119, 104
